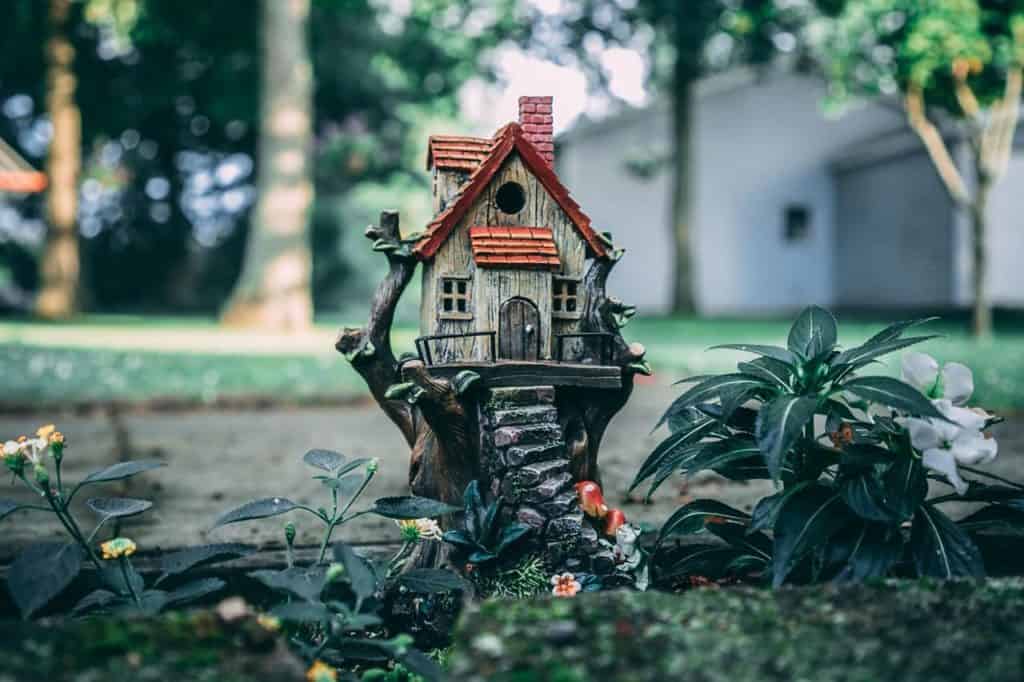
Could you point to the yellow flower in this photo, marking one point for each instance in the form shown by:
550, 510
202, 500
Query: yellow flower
321, 672
56, 438
117, 548
419, 529
44, 432
268, 622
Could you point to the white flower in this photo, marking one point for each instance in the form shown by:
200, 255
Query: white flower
954, 382
33, 449
12, 447
944, 445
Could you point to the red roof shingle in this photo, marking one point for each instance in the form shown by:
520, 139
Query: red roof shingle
508, 138
517, 247
451, 152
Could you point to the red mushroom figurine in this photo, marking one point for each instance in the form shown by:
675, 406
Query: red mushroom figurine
591, 499
613, 521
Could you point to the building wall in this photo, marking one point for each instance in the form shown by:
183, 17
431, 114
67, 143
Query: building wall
494, 287
895, 238
1006, 233
761, 146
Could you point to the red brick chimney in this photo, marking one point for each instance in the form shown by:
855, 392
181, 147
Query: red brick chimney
538, 124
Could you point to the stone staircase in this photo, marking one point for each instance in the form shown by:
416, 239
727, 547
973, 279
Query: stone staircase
524, 456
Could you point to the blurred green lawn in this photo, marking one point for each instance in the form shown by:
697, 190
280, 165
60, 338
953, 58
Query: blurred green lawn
191, 360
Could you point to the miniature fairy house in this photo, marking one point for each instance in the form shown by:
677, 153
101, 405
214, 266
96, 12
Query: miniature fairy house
506, 250
520, 365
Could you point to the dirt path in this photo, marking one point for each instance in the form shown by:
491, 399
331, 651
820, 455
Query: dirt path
221, 459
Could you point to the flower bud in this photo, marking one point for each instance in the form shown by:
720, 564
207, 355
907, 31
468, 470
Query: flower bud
42, 475
334, 571
372, 466
289, 533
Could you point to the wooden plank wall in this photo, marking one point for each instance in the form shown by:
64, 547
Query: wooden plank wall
492, 287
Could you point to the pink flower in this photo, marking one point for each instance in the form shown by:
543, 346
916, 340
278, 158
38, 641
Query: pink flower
565, 585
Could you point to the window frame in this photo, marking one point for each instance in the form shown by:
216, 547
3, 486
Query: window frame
455, 296
556, 295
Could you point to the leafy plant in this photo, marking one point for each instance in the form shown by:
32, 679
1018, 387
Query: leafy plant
45, 570
484, 539
336, 612
851, 457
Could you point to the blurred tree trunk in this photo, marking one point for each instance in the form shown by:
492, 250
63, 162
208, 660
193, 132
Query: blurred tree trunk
59, 290
273, 290
684, 84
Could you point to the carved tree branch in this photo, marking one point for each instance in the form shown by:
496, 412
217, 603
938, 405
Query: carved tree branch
369, 348
445, 454
586, 414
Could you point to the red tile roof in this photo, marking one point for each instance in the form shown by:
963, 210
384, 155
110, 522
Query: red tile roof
510, 137
451, 152
517, 247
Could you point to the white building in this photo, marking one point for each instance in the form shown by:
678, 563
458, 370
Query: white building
792, 207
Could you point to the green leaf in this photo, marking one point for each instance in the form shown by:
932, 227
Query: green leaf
895, 330
8, 507
301, 612
858, 458
359, 571
867, 551
354, 464
197, 589
511, 534
995, 516
813, 333
906, 485
806, 520
673, 445
702, 560
327, 460
411, 507
767, 508
866, 496
711, 389
178, 562
861, 355
779, 425
121, 470
941, 548
304, 583
111, 507
41, 572
693, 518
756, 543
893, 393
257, 509
345, 486
422, 665
722, 455
769, 369
775, 352
431, 580
96, 599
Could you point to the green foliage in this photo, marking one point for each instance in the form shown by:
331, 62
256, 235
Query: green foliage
852, 503
886, 46
526, 579
484, 539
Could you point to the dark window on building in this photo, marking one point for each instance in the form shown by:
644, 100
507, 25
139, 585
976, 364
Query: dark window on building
797, 223
565, 299
510, 197
455, 298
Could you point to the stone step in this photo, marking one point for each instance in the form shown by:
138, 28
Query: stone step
532, 474
546, 490
528, 434
531, 454
519, 396
533, 414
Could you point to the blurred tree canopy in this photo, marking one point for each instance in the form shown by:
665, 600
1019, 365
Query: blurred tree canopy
168, 93
958, 66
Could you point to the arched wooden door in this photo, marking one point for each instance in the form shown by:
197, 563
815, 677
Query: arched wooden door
519, 330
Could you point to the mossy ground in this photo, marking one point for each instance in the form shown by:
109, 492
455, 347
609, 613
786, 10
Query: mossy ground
900, 631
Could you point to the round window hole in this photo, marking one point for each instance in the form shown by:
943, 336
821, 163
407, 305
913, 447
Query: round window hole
510, 197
